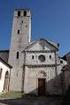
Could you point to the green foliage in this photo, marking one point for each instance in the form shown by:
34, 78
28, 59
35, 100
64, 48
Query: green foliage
12, 95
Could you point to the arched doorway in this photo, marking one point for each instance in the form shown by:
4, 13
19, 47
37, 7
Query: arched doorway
6, 82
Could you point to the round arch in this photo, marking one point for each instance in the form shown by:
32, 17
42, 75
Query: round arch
41, 74
6, 81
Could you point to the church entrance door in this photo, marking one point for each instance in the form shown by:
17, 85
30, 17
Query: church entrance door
6, 82
41, 86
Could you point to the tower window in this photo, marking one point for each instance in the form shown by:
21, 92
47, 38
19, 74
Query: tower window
0, 72
17, 55
22, 21
25, 13
18, 31
18, 13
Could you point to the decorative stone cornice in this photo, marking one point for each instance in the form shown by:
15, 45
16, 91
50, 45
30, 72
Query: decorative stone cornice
40, 51
41, 65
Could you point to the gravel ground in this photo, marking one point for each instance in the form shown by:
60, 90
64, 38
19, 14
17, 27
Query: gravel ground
32, 101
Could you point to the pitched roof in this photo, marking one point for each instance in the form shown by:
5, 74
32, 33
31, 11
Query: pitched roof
66, 68
56, 45
66, 55
4, 54
5, 63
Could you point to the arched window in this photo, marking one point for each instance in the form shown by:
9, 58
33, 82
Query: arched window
18, 31
6, 81
25, 13
19, 13
17, 55
7, 74
50, 56
32, 56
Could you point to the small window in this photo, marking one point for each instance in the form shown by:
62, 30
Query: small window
32, 56
22, 21
18, 13
50, 56
25, 13
61, 61
17, 55
18, 31
7, 74
0, 72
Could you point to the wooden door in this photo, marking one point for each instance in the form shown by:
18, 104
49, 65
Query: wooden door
41, 87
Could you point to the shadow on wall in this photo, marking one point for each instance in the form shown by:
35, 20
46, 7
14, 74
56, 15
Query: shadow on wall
54, 93
66, 98
54, 86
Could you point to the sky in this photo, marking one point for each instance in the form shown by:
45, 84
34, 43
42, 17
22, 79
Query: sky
50, 20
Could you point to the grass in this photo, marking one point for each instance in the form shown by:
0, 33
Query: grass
17, 95
11, 95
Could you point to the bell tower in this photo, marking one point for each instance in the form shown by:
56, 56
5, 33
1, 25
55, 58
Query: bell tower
21, 36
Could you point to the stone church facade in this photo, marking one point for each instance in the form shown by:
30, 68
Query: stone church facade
36, 65
42, 68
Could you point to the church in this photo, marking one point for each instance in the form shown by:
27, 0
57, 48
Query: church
32, 67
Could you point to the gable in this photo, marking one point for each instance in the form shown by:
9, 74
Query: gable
42, 45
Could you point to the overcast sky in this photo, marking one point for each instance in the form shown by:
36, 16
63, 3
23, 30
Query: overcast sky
50, 20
